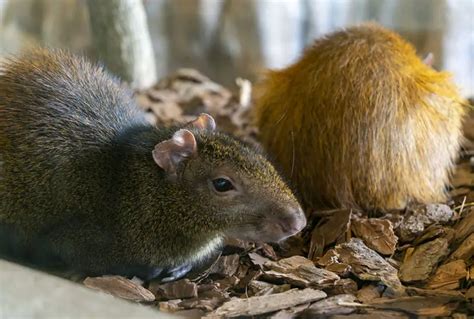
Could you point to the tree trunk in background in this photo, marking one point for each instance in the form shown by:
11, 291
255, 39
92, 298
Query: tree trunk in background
122, 40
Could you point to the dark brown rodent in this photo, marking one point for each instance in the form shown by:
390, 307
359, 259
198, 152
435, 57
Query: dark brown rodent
361, 121
85, 175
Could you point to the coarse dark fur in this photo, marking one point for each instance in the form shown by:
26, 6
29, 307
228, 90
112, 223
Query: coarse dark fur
78, 177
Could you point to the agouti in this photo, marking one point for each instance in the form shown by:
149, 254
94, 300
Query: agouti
86, 178
360, 121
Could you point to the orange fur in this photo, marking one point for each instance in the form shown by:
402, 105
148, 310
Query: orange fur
361, 121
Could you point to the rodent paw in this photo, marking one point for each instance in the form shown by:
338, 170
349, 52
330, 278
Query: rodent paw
176, 273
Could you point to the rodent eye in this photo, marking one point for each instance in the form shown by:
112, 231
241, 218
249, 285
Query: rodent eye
222, 184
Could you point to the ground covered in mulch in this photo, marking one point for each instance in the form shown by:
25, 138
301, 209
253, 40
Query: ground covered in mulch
346, 263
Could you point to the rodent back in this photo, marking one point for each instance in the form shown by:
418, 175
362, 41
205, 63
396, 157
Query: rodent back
59, 116
49, 92
353, 121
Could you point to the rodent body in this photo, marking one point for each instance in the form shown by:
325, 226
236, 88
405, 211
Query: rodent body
361, 122
84, 172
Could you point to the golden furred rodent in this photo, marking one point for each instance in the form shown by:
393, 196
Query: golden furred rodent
88, 182
361, 121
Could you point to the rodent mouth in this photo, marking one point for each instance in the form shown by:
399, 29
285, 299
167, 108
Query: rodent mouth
280, 229
271, 229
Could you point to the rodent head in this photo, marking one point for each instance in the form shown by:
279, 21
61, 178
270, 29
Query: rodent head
245, 196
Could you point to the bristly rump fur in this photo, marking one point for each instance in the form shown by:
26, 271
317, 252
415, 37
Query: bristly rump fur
77, 171
362, 121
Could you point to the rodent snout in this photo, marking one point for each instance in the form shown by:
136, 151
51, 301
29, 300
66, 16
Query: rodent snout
293, 221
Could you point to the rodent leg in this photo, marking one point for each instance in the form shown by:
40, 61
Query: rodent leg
177, 272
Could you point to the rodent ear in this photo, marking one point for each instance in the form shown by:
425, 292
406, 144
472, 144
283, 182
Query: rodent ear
203, 122
170, 153
429, 59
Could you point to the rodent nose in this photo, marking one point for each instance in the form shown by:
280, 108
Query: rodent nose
294, 222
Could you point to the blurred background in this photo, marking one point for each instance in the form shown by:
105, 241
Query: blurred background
226, 39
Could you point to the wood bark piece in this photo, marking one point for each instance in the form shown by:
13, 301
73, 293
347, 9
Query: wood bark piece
170, 305
432, 232
236, 246
447, 276
261, 288
300, 272
290, 313
180, 289
227, 282
366, 264
419, 306
225, 266
419, 265
465, 226
121, 287
415, 291
341, 269
342, 286
257, 259
197, 93
268, 251
288, 264
375, 314
264, 304
336, 305
122, 40
470, 293
207, 304
465, 251
370, 292
328, 231
376, 233
421, 216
